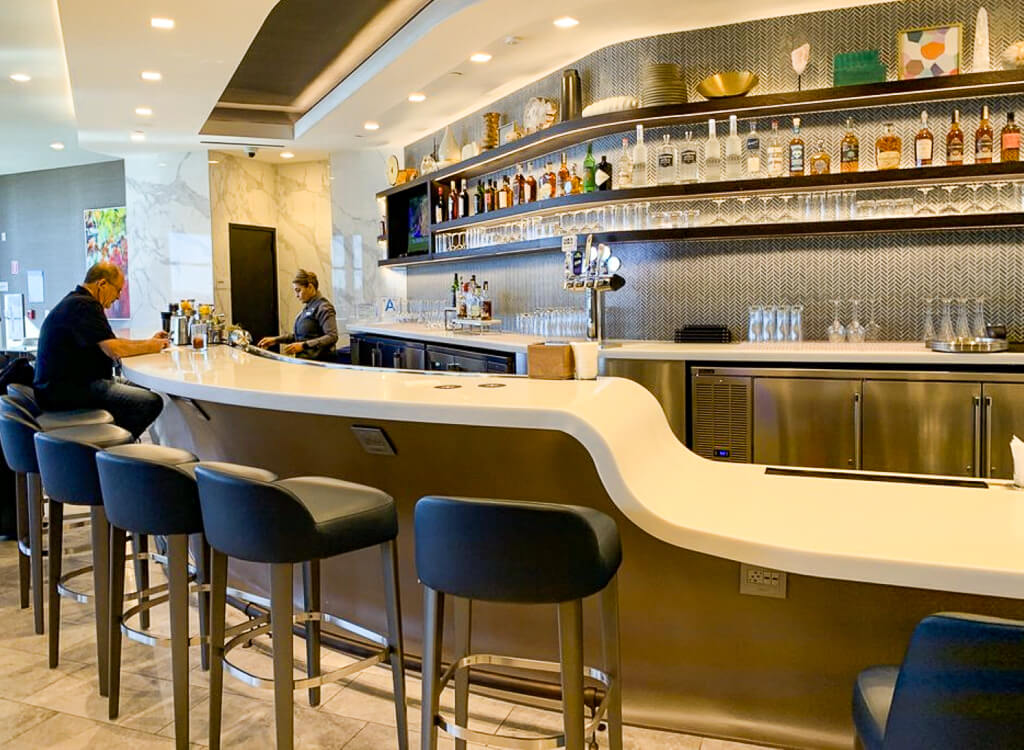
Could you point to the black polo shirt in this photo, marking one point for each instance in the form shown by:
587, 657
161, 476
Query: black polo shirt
69, 355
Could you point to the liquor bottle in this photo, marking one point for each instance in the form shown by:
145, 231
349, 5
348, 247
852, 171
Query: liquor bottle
486, 307
549, 183
639, 159
455, 291
460, 300
531, 187
505, 194
753, 147
924, 144
712, 154
796, 152
821, 162
453, 201
575, 182
589, 167
1009, 140
955, 141
733, 152
480, 195
689, 169
519, 187
564, 178
668, 155
983, 139
603, 174
624, 169
473, 298
439, 206
489, 196
464, 200
776, 159
849, 150
888, 149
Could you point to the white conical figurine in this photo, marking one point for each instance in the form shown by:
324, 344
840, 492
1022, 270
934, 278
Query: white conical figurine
981, 57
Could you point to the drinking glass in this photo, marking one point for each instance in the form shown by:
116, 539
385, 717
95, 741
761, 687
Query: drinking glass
946, 324
950, 206
595, 217
855, 331
755, 314
613, 218
922, 206
928, 329
850, 200
836, 330
719, 215
782, 323
963, 323
765, 216
978, 322
787, 213
796, 323
768, 323
741, 210
974, 206
629, 216
872, 331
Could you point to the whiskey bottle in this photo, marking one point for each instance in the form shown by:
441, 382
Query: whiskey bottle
712, 154
480, 194
505, 194
489, 196
776, 160
453, 201
983, 139
603, 174
888, 149
955, 141
821, 162
549, 183
519, 187
464, 200
797, 151
667, 158
849, 150
689, 169
486, 307
439, 206
624, 169
753, 152
639, 159
589, 167
733, 152
575, 182
531, 187
564, 178
924, 143
1009, 140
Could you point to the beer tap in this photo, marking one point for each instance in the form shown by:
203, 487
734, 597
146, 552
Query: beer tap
592, 270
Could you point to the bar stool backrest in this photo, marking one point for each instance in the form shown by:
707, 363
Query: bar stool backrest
148, 497
16, 437
512, 551
25, 397
68, 469
961, 685
9, 406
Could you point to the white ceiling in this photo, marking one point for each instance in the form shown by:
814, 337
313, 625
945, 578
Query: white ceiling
107, 44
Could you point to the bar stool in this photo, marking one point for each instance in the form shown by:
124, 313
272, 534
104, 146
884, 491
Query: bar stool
301, 520
525, 553
147, 490
67, 467
24, 396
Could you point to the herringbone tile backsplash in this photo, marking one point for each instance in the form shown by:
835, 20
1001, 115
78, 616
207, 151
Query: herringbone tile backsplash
674, 283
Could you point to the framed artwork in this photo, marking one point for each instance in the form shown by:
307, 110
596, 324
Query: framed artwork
930, 52
106, 239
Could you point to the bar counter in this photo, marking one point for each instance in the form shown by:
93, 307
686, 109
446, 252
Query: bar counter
867, 559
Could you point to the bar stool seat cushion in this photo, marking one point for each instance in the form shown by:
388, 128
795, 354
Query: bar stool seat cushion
514, 551
145, 491
872, 698
97, 435
55, 420
67, 461
159, 454
249, 472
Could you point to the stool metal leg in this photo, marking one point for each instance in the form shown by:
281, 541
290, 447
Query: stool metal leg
201, 552
612, 661
570, 647
389, 560
281, 617
141, 544
433, 634
462, 610
117, 562
311, 598
56, 552
218, 604
21, 517
35, 543
177, 575
101, 589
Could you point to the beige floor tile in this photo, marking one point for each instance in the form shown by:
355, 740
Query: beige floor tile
23, 673
63, 732
16, 718
381, 737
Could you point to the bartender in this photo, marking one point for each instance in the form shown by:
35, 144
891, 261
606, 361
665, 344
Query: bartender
316, 327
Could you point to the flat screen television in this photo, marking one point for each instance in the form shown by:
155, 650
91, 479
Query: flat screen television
419, 211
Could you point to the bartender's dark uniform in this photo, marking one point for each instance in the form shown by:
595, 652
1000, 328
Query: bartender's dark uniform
316, 328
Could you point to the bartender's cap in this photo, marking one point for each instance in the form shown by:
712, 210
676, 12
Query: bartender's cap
305, 278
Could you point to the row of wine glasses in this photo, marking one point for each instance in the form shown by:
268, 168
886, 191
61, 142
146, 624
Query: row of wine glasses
854, 332
552, 323
968, 324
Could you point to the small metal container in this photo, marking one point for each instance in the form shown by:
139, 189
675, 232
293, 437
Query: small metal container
572, 96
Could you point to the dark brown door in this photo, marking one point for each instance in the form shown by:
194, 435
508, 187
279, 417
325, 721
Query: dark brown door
254, 279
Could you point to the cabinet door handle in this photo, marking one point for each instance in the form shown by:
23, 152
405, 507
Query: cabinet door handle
857, 460
375, 357
977, 437
989, 466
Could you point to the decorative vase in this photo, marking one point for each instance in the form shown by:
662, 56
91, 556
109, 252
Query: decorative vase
450, 151
490, 137
981, 43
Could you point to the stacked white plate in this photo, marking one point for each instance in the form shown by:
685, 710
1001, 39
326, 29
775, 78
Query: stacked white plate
662, 83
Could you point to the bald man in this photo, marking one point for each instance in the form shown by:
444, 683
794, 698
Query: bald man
78, 349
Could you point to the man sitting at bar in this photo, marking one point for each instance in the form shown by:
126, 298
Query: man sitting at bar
77, 351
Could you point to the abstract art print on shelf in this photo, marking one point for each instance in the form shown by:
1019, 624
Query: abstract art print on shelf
106, 239
930, 52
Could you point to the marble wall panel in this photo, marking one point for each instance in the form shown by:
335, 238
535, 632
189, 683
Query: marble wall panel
303, 199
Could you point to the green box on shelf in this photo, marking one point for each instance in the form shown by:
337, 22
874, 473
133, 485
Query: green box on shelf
862, 66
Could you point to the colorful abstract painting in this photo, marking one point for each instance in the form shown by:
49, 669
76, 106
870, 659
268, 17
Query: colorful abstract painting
106, 239
930, 52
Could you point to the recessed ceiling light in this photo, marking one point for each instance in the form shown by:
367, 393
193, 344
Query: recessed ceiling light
138, 136
162, 164
151, 75
21, 77
212, 161
143, 111
417, 97
480, 57
162, 23
287, 155
566, 22
57, 146
371, 125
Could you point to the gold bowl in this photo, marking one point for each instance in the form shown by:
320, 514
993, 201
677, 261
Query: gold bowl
733, 83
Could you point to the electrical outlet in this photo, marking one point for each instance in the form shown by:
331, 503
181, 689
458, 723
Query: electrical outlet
757, 581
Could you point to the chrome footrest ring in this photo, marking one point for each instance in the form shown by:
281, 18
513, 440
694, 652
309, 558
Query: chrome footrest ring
156, 596
69, 593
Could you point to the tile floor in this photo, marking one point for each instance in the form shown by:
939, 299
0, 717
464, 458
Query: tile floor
60, 709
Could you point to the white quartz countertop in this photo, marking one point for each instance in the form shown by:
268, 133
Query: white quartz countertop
933, 537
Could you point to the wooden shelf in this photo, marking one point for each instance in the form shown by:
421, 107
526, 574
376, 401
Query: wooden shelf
737, 232
566, 134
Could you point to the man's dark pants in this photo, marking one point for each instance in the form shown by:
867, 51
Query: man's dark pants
133, 408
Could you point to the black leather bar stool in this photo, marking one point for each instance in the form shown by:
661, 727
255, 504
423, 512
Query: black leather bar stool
24, 396
526, 553
67, 467
301, 520
147, 490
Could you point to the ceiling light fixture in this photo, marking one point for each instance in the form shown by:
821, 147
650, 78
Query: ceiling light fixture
143, 111
480, 57
138, 136
566, 22
151, 75
287, 155
21, 77
57, 146
371, 125
162, 23
212, 161
417, 97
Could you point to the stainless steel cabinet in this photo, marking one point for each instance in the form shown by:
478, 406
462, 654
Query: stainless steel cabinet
1004, 418
807, 422
922, 427
460, 360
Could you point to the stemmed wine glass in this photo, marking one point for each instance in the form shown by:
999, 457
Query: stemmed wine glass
836, 330
978, 328
872, 331
946, 326
963, 325
855, 331
928, 333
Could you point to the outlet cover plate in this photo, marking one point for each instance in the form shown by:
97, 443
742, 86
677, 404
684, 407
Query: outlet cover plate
757, 581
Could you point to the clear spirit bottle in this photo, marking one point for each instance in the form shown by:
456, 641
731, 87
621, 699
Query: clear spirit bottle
733, 152
753, 152
668, 157
624, 170
689, 169
776, 160
712, 154
639, 159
